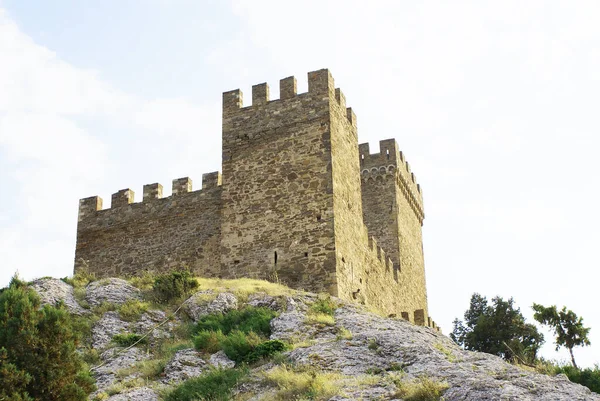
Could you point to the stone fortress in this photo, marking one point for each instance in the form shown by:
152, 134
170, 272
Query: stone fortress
299, 201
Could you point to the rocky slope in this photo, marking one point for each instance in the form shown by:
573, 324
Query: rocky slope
363, 356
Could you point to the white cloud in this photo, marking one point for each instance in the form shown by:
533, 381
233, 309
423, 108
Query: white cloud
66, 134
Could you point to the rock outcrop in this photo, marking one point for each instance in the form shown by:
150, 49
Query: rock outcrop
354, 343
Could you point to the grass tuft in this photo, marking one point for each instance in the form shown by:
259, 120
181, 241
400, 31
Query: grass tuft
216, 385
302, 384
422, 389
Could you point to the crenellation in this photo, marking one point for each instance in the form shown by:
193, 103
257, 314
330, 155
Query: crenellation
351, 117
89, 206
419, 317
122, 198
181, 186
298, 201
321, 82
260, 94
211, 180
232, 101
288, 88
152, 191
341, 99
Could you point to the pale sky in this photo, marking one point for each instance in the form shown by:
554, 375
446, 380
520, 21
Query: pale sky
495, 104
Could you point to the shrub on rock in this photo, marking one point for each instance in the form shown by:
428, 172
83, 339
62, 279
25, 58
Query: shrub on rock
38, 358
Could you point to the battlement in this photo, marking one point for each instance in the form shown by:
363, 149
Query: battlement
126, 197
320, 86
391, 163
380, 254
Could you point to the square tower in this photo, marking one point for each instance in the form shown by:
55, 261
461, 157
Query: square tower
289, 166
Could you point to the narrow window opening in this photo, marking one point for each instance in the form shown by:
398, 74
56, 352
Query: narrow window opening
275, 258
387, 153
319, 217
360, 280
362, 160
306, 254
343, 260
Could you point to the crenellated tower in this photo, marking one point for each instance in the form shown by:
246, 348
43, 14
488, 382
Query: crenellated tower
279, 192
393, 213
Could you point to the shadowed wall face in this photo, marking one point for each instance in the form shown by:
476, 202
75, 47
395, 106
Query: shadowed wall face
158, 234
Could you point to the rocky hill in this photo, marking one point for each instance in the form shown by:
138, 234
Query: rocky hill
334, 350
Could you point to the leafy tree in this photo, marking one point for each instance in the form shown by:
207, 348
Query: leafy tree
498, 329
38, 358
567, 326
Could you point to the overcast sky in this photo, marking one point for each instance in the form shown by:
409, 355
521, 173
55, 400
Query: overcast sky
495, 104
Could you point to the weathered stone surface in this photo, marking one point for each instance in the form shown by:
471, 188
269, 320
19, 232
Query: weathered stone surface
262, 300
185, 364
378, 348
300, 202
389, 344
113, 290
52, 290
138, 394
220, 360
148, 322
105, 328
116, 360
204, 302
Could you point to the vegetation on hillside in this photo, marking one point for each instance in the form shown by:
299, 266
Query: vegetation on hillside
38, 358
500, 329
567, 327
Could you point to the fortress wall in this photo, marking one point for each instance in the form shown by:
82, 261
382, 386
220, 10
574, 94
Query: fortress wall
158, 234
277, 190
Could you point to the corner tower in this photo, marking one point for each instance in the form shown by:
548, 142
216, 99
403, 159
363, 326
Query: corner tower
393, 213
283, 183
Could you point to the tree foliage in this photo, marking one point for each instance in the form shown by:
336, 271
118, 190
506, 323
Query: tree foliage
38, 359
567, 326
498, 329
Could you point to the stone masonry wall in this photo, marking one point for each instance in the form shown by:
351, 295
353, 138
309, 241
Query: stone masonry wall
277, 193
157, 234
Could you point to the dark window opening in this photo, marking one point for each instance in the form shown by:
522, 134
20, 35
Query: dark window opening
319, 217
360, 280
343, 260
306, 254
275, 258
236, 262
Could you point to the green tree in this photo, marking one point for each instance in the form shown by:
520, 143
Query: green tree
498, 329
567, 326
38, 358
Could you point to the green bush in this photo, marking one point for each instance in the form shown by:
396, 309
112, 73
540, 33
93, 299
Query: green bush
173, 286
132, 310
34, 341
209, 341
127, 339
240, 334
216, 385
586, 377
250, 319
265, 350
237, 345
324, 305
